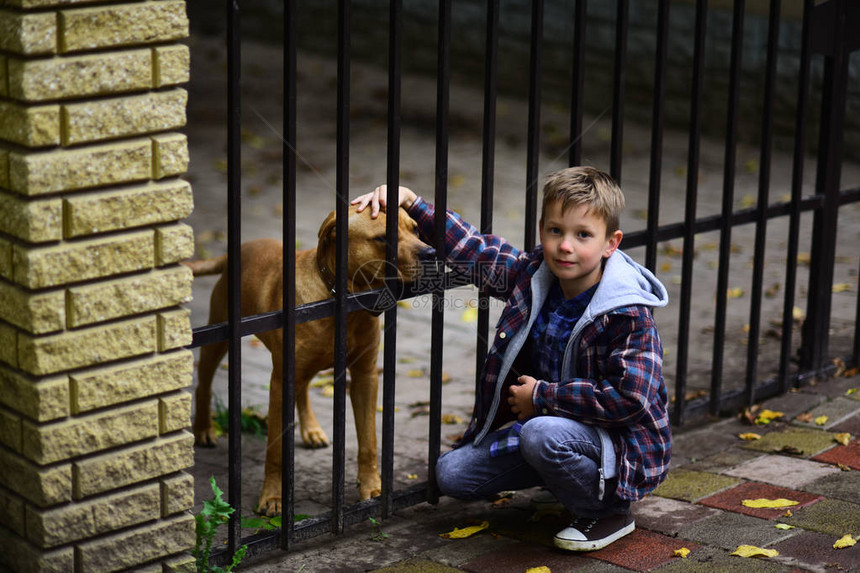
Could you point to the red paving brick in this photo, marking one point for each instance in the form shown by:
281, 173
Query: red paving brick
731, 499
523, 556
813, 549
642, 550
846, 455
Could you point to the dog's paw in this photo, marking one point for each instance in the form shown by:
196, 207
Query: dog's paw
315, 438
205, 438
371, 487
270, 506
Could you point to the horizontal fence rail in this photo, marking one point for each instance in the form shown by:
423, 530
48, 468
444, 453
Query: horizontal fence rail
826, 33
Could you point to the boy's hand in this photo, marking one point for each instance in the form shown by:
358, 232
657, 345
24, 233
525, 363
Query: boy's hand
378, 197
521, 398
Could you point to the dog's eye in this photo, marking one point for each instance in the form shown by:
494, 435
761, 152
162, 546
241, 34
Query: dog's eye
380, 238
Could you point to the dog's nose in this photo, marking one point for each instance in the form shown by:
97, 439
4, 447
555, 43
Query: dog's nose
427, 253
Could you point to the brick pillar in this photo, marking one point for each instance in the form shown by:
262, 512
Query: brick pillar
93, 410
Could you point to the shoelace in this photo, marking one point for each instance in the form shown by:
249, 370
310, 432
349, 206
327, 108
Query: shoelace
588, 524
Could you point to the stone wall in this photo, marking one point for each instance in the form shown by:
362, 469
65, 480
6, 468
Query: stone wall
93, 410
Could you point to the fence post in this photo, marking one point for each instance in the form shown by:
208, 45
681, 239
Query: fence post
829, 37
93, 411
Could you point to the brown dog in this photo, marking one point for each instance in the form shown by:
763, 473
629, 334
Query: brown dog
262, 284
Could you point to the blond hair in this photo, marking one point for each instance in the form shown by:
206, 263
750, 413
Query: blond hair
589, 186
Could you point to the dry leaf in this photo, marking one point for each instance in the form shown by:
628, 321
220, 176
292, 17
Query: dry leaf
787, 513
842, 287
411, 476
541, 569
850, 391
682, 552
843, 467
451, 419
328, 391
845, 541
415, 373
767, 416
749, 436
753, 551
784, 526
821, 420
768, 503
736, 292
798, 314
805, 418
844, 438
465, 532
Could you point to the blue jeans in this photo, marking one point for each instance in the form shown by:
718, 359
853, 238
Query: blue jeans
560, 454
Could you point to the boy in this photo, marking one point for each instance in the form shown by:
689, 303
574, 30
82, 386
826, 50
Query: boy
571, 396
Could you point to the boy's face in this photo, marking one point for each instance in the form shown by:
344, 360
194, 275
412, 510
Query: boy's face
574, 245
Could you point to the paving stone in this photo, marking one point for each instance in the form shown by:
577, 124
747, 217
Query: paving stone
837, 410
843, 485
831, 516
691, 446
846, 455
711, 560
727, 530
668, 516
723, 460
806, 442
522, 556
793, 403
417, 566
642, 550
813, 550
850, 425
731, 499
782, 471
692, 486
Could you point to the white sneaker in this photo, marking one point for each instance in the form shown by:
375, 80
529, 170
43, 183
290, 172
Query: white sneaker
589, 534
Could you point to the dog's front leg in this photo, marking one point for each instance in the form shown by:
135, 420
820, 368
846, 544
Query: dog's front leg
270, 496
363, 393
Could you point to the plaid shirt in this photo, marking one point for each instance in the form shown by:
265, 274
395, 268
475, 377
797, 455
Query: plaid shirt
617, 360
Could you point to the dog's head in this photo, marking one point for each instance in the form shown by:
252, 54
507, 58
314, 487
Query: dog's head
366, 243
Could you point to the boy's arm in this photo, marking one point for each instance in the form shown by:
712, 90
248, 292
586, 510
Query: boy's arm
629, 382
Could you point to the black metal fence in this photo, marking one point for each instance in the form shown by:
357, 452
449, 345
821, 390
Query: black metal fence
829, 32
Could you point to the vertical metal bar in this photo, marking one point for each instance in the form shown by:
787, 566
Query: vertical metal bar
234, 273
796, 195
578, 82
340, 315
391, 224
728, 208
288, 409
443, 80
816, 328
617, 144
533, 153
763, 194
657, 134
488, 164
690, 210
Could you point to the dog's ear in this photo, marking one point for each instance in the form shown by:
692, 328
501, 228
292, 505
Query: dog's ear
327, 229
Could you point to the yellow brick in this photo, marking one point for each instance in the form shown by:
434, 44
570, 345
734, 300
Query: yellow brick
174, 329
10, 429
122, 25
86, 347
42, 486
12, 510
29, 34
37, 313
149, 204
170, 155
83, 435
4, 154
132, 465
79, 261
18, 555
8, 345
30, 126
173, 244
58, 526
177, 494
123, 117
41, 400
124, 297
45, 3
80, 76
172, 65
69, 169
32, 221
130, 548
181, 564
174, 412
131, 381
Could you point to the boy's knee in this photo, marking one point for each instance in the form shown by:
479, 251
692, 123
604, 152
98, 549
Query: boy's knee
447, 477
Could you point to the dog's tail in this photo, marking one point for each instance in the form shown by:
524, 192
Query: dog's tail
207, 266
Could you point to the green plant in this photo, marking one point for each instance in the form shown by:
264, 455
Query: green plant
251, 420
376, 533
215, 512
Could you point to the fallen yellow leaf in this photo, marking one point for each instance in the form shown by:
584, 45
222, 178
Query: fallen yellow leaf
411, 476
787, 513
682, 552
845, 541
753, 551
767, 416
850, 391
768, 503
415, 373
541, 569
328, 391
749, 436
465, 532
784, 526
821, 420
844, 438
736, 292
842, 287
